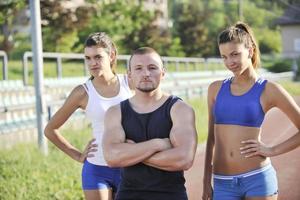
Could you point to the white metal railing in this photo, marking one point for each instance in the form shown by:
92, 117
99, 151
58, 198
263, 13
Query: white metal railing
187, 61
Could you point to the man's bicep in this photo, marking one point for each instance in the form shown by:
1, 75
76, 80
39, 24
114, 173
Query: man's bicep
184, 130
113, 130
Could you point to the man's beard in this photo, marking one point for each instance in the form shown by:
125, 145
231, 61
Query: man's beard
146, 90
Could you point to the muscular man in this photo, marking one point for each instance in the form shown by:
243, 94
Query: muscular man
151, 136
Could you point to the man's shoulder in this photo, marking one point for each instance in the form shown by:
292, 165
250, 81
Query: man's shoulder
115, 109
180, 106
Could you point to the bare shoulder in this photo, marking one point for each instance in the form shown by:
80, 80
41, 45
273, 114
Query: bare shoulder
115, 108
215, 86
113, 111
275, 91
182, 108
213, 90
270, 85
78, 92
77, 97
276, 95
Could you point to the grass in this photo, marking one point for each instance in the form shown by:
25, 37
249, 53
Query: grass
199, 105
27, 174
292, 87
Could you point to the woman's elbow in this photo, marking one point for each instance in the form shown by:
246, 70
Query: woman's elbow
48, 132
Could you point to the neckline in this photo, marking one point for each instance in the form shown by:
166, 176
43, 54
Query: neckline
146, 113
108, 98
245, 93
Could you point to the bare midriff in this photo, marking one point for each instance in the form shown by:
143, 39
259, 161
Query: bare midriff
228, 159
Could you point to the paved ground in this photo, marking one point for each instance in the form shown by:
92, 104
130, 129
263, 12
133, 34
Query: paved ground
276, 128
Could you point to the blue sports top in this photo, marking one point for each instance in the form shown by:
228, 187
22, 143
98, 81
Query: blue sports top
244, 110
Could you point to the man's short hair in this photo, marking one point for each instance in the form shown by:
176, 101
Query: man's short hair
142, 51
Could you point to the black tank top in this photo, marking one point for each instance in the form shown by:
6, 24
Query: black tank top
142, 127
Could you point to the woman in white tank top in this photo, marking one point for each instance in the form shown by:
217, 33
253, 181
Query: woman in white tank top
104, 89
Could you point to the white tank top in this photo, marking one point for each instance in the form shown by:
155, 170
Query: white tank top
95, 111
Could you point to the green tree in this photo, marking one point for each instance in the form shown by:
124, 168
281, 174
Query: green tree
118, 19
130, 25
197, 23
8, 12
261, 15
190, 28
160, 39
60, 24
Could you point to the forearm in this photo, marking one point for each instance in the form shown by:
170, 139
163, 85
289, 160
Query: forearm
175, 159
286, 146
58, 140
181, 154
207, 169
208, 163
128, 154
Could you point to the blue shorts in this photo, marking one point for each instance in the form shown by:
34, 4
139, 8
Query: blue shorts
95, 177
257, 183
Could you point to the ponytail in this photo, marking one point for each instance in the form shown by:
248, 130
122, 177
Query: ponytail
256, 53
241, 33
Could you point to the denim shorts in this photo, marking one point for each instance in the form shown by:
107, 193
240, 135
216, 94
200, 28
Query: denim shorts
257, 183
95, 177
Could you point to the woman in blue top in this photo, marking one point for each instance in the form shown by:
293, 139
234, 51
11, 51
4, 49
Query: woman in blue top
104, 89
235, 157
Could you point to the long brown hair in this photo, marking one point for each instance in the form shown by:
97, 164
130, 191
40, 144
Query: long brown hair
102, 40
241, 33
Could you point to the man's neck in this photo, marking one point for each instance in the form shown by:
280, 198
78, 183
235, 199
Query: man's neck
147, 102
149, 97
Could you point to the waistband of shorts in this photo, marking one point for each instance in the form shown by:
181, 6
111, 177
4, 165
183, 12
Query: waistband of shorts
244, 175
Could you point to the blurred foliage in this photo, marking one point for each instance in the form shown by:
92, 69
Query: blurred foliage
197, 23
9, 10
22, 43
120, 20
61, 23
192, 31
130, 25
282, 65
261, 16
